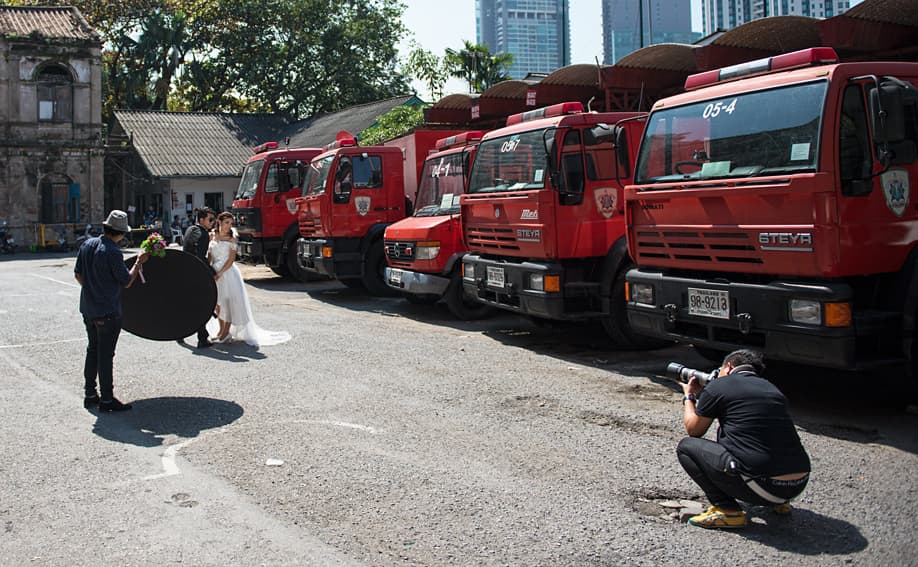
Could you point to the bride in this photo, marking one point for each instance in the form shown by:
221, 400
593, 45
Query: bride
234, 312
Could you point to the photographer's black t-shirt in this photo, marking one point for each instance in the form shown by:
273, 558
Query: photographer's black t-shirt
755, 425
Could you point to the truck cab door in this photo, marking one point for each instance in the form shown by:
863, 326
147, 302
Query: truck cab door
359, 187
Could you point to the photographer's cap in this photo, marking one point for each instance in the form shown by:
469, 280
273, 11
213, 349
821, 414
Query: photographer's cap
117, 220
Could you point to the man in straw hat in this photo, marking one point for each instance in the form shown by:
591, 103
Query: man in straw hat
101, 272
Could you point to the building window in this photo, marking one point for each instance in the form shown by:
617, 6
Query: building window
55, 94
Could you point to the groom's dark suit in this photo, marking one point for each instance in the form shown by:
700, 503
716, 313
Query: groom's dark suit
196, 242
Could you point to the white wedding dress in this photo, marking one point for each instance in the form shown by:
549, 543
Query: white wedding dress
233, 301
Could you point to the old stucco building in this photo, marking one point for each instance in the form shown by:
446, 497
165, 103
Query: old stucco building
51, 150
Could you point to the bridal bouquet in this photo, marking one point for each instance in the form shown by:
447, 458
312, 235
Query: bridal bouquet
155, 245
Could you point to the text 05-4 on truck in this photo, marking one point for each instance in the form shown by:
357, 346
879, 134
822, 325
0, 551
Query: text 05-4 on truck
543, 217
772, 208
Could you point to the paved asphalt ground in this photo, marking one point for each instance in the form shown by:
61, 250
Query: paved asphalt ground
398, 436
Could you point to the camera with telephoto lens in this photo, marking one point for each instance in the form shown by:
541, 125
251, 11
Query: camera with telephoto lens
684, 373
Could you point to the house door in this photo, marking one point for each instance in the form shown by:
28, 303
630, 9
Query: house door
214, 201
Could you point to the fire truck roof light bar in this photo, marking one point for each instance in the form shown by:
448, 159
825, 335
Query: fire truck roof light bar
546, 112
783, 62
463, 139
265, 147
340, 143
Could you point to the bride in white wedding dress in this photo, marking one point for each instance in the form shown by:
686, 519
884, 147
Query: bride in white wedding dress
234, 312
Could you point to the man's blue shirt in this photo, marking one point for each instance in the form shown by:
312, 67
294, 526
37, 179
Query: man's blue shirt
100, 264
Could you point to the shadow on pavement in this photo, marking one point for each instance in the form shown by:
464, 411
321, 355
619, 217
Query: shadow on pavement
227, 352
152, 419
805, 533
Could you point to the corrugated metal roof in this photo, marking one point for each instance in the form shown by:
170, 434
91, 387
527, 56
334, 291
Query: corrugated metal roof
191, 144
62, 23
320, 130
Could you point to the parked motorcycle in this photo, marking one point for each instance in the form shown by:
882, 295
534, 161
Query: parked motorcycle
58, 239
7, 242
90, 232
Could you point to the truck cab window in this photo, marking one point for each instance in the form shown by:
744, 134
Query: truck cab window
572, 169
271, 179
853, 138
367, 172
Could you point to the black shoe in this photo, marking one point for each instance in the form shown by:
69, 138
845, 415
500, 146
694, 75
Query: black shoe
113, 405
91, 400
205, 344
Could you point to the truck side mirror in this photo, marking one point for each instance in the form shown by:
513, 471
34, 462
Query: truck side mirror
621, 149
887, 113
554, 167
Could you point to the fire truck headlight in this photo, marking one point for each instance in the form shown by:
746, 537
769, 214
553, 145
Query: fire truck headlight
544, 282
806, 311
427, 250
642, 293
468, 271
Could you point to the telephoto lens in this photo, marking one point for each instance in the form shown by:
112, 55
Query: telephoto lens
684, 373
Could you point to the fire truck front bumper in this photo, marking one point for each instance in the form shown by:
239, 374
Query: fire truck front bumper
528, 288
249, 248
801, 323
416, 283
315, 256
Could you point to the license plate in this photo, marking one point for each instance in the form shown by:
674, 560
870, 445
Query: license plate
709, 303
495, 276
395, 276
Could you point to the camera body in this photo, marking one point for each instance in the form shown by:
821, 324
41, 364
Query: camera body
684, 373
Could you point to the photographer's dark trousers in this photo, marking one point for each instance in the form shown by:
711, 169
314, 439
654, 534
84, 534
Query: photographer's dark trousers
103, 336
713, 468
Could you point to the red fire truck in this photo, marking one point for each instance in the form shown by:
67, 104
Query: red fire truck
264, 208
771, 208
543, 216
425, 251
351, 194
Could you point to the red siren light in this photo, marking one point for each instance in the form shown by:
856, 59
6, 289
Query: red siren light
265, 147
793, 60
463, 139
546, 112
344, 139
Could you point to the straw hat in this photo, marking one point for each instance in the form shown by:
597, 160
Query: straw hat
117, 220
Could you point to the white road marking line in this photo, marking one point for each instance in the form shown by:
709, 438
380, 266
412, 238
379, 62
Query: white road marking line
44, 343
56, 281
366, 428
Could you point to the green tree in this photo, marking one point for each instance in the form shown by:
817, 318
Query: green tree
426, 67
397, 122
477, 66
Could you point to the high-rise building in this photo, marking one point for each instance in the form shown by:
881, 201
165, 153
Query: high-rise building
663, 21
536, 32
727, 14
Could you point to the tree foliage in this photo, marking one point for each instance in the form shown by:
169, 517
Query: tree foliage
477, 66
298, 57
428, 68
397, 122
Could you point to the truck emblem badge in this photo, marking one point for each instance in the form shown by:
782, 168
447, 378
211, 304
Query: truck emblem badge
896, 189
530, 214
786, 241
529, 235
291, 206
362, 204
606, 201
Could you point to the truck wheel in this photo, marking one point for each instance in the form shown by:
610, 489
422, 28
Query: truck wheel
374, 271
712, 354
459, 305
617, 325
355, 284
282, 271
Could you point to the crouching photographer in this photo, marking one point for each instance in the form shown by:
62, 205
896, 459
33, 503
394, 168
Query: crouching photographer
757, 458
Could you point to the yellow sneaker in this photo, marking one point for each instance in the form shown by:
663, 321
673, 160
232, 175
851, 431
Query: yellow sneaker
719, 518
782, 509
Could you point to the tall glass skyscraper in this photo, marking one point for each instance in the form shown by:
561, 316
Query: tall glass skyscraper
728, 14
536, 32
664, 21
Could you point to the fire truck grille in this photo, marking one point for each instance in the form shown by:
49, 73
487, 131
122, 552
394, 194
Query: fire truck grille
691, 246
491, 238
307, 227
400, 251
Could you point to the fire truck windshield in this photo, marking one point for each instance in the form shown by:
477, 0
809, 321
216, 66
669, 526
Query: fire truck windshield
442, 181
769, 132
510, 163
317, 176
249, 182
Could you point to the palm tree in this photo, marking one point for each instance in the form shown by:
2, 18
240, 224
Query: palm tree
476, 65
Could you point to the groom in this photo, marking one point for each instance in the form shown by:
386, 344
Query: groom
195, 242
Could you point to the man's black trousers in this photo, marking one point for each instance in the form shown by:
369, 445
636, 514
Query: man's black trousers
103, 336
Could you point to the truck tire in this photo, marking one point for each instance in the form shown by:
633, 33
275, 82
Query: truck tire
374, 271
714, 355
616, 324
294, 270
281, 270
459, 305
353, 283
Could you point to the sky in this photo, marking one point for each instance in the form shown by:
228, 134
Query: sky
436, 25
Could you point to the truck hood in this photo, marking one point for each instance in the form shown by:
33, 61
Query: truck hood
419, 228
